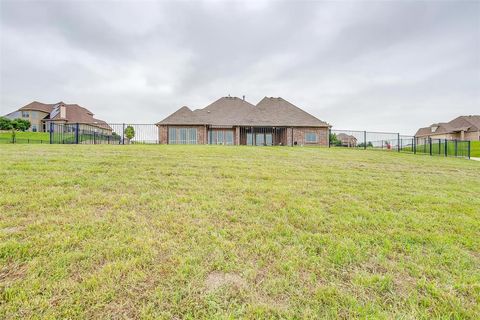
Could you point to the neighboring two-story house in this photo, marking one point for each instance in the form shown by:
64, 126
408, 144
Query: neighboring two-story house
460, 128
42, 115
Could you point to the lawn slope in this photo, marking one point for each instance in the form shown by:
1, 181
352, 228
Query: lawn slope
236, 232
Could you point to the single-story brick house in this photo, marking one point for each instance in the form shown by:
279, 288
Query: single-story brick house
460, 128
347, 140
41, 115
234, 121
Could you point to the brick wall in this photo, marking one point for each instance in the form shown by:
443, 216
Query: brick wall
163, 134
299, 136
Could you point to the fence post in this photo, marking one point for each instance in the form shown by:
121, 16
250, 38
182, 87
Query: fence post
414, 145
51, 132
329, 134
364, 140
468, 149
456, 148
430, 143
398, 142
123, 133
76, 132
446, 148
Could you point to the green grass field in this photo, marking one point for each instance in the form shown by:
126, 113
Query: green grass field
195, 232
25, 137
58, 138
475, 145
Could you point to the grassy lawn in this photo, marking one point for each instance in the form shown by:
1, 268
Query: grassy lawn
25, 137
475, 149
194, 232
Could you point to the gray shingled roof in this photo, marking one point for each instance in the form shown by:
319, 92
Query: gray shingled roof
38, 106
232, 111
462, 123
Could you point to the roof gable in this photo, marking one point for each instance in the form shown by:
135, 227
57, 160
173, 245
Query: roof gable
38, 106
182, 116
470, 123
280, 112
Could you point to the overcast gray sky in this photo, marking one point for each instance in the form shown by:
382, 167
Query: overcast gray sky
390, 66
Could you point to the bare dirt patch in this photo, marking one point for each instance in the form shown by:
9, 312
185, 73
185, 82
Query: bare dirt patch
9, 230
12, 272
217, 279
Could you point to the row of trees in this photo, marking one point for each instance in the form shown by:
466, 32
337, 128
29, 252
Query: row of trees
15, 124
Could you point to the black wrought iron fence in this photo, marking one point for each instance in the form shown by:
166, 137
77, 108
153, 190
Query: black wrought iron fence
443, 147
117, 133
400, 143
131, 133
127, 133
364, 139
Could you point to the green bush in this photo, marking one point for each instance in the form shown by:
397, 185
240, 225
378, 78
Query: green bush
20, 124
5, 124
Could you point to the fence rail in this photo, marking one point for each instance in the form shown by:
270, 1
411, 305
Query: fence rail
400, 143
128, 133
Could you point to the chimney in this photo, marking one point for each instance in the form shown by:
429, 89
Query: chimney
243, 97
63, 113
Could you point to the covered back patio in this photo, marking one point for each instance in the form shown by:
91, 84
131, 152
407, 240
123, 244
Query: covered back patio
263, 136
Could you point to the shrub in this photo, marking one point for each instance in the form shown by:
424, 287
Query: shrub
20, 124
5, 124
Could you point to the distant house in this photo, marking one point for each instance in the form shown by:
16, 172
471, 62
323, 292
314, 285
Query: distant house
42, 115
347, 140
460, 128
234, 121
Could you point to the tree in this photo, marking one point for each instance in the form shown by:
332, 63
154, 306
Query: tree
20, 124
5, 124
334, 140
129, 133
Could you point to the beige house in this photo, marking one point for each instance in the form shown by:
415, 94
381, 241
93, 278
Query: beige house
42, 115
460, 128
234, 121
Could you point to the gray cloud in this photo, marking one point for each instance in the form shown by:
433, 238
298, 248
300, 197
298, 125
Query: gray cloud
390, 66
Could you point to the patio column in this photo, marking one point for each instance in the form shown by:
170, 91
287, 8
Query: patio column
237, 136
289, 136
